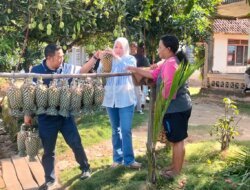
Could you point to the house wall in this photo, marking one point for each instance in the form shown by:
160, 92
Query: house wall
77, 56
220, 53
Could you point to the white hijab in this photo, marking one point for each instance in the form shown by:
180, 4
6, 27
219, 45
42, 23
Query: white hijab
124, 43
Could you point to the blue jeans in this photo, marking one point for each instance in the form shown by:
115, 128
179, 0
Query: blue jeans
121, 122
49, 126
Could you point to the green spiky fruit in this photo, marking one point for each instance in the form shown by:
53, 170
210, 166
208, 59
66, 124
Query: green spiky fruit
107, 63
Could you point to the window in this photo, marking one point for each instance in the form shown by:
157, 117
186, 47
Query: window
237, 52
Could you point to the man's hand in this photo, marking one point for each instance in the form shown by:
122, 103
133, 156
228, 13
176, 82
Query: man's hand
27, 120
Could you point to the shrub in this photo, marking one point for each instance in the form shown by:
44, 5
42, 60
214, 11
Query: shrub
11, 124
225, 127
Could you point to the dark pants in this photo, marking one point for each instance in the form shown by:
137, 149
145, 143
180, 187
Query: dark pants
49, 126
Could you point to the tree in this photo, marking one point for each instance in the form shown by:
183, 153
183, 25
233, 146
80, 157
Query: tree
26, 24
225, 127
189, 20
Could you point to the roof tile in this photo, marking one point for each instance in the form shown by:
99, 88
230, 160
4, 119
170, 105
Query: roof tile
239, 26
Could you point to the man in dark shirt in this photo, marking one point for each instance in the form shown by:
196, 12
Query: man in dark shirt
49, 126
141, 61
247, 78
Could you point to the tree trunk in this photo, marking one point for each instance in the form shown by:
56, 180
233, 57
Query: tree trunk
225, 140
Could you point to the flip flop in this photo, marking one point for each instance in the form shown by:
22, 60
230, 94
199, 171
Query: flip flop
168, 175
168, 168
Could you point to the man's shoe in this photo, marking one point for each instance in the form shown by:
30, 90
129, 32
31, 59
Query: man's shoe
245, 90
48, 185
140, 112
85, 174
135, 165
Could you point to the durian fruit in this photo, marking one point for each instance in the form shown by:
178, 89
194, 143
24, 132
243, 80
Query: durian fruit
107, 63
32, 145
87, 96
65, 97
76, 97
162, 136
28, 96
98, 94
35, 130
41, 97
15, 102
53, 98
21, 137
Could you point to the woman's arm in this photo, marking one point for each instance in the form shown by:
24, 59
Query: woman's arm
140, 71
90, 64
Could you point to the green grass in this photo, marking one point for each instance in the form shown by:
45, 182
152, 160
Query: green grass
194, 90
95, 128
204, 169
244, 107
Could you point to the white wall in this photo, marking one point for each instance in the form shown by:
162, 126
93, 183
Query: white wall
77, 56
220, 53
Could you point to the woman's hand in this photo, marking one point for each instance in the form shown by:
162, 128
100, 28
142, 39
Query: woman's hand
97, 54
153, 66
111, 52
27, 120
131, 69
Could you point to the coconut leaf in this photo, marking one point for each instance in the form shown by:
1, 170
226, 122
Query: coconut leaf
183, 72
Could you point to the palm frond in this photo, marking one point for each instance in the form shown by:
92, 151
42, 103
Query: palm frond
183, 72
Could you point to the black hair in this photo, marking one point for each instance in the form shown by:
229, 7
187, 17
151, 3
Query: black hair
172, 42
51, 49
134, 44
182, 57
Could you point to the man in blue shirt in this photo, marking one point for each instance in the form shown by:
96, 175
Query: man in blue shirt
49, 126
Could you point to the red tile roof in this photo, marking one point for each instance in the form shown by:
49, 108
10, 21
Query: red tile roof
239, 26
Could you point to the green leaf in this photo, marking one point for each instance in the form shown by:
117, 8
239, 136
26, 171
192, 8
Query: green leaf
183, 72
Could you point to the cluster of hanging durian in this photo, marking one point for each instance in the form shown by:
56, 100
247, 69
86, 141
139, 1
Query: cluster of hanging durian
60, 98
28, 142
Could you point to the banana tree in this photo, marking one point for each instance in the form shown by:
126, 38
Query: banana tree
184, 71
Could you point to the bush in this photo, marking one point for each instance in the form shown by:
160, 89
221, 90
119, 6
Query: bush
11, 123
239, 165
225, 127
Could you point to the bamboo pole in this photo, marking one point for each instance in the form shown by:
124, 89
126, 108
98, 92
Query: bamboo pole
150, 143
56, 76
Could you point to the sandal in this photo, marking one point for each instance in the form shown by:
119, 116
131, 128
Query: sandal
115, 165
168, 168
168, 175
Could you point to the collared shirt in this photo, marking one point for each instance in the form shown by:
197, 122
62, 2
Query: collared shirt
119, 91
44, 69
166, 71
64, 68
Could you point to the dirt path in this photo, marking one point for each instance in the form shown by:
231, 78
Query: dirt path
205, 112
